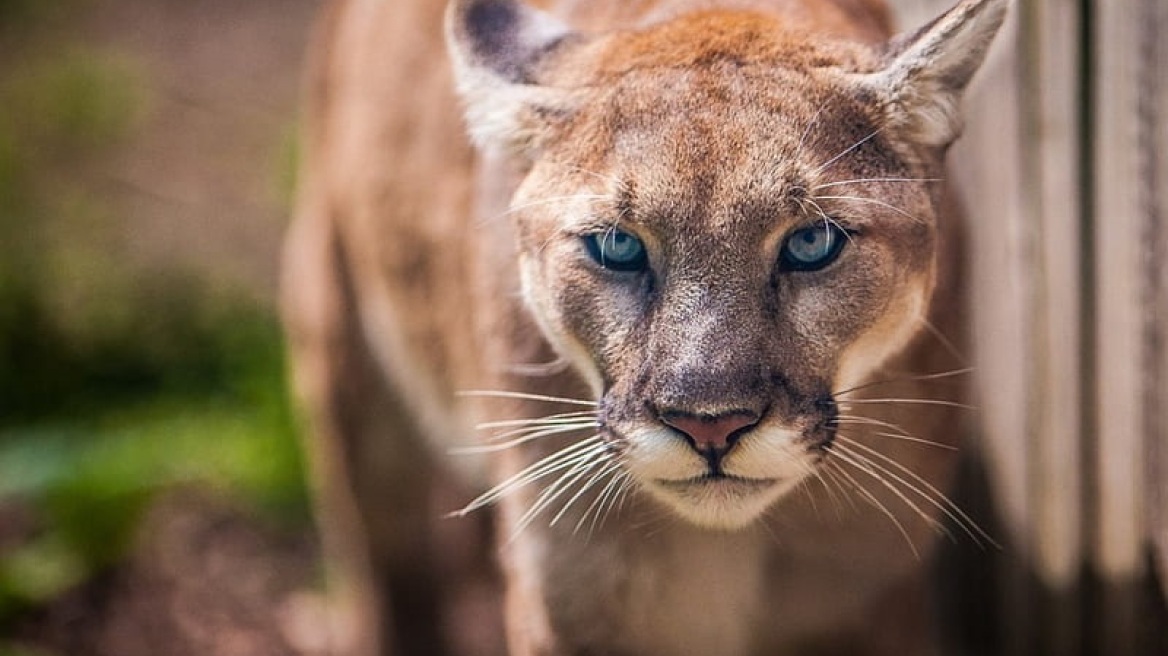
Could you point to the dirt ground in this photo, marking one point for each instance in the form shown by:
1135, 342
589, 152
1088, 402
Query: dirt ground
205, 579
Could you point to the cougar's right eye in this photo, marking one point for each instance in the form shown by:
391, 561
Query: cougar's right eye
617, 250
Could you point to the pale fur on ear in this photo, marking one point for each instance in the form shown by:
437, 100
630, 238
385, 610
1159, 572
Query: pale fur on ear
928, 70
495, 47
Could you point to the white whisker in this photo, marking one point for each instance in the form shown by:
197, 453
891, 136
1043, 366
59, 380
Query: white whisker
839, 183
906, 379
537, 369
871, 421
530, 430
808, 471
937, 498
525, 439
581, 464
942, 402
881, 476
823, 167
807, 131
900, 434
583, 423
588, 485
569, 418
525, 396
914, 440
865, 199
827, 220
545, 466
945, 341
871, 499
603, 501
620, 184
829, 476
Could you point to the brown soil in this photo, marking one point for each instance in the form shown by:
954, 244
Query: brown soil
204, 580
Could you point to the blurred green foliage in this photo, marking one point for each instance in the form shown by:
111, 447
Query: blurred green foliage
64, 302
90, 479
34, 13
116, 382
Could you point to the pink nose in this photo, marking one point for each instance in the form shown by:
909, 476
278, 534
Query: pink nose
710, 432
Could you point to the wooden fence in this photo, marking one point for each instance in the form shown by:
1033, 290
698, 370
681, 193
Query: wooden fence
1064, 171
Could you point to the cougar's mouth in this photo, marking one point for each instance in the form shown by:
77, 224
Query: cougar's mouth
719, 500
718, 489
724, 481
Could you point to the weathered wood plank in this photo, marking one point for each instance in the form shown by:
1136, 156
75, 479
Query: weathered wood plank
1119, 446
1155, 81
987, 165
1054, 159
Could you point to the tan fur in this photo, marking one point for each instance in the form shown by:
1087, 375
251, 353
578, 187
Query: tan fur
710, 130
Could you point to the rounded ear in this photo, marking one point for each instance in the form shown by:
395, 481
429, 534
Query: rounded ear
497, 48
927, 71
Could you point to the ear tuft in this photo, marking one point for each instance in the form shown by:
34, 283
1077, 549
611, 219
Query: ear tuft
496, 47
928, 70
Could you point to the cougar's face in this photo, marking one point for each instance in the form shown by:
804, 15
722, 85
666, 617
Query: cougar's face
728, 220
719, 251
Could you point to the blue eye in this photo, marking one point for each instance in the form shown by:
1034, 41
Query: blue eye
812, 248
617, 250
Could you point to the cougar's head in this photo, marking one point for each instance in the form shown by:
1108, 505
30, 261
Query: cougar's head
723, 221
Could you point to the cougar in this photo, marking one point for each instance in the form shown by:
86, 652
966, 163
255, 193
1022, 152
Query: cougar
666, 351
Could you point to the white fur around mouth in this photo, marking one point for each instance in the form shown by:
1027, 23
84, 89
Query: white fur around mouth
731, 484
722, 501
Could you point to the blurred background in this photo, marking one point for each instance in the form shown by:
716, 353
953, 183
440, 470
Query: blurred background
151, 489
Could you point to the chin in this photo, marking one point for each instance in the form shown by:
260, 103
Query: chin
725, 503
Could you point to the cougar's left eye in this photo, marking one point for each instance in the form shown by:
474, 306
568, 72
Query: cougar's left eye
812, 248
617, 250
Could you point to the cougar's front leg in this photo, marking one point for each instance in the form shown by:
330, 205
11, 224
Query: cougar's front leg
371, 477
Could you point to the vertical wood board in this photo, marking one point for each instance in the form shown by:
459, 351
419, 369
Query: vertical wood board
1053, 158
1118, 447
1154, 121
